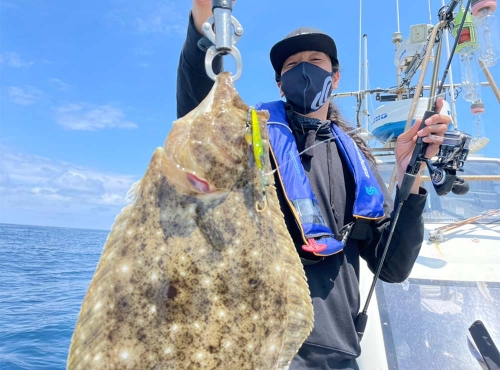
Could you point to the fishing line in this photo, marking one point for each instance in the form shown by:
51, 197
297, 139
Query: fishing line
354, 130
309, 148
132, 192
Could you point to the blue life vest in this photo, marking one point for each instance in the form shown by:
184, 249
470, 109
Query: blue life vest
369, 199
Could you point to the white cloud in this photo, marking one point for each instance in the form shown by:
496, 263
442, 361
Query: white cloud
63, 86
111, 199
74, 181
157, 16
91, 118
43, 191
26, 95
166, 23
14, 60
4, 179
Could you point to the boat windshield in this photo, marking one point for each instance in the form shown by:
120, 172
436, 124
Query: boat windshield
425, 323
483, 195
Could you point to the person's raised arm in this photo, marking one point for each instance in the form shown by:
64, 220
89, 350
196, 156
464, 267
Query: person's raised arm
193, 84
201, 11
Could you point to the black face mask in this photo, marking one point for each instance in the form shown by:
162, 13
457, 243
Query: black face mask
307, 87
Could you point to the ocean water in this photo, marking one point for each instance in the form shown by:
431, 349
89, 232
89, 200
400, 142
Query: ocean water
44, 275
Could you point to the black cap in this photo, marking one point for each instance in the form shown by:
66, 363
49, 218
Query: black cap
302, 39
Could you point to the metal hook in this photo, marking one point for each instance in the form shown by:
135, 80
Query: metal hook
212, 53
223, 42
261, 206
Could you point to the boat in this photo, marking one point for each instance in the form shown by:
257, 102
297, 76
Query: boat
423, 323
446, 314
390, 119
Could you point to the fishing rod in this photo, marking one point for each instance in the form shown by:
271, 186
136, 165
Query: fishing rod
452, 152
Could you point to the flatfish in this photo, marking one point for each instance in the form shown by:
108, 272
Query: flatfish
198, 272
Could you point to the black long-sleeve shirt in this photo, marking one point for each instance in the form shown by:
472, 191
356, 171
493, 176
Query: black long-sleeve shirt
334, 281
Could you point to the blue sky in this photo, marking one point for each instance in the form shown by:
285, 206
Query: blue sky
87, 90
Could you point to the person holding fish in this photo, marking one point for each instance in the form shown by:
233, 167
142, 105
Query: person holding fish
345, 209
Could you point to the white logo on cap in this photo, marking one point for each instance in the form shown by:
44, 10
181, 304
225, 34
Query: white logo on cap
322, 96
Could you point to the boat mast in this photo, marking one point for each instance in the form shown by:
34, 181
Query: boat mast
397, 39
359, 47
363, 70
365, 99
361, 96
430, 11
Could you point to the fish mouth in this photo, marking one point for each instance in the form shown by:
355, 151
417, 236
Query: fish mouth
205, 145
184, 179
199, 184
188, 170
189, 183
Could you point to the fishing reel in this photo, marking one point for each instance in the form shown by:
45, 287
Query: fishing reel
451, 156
451, 159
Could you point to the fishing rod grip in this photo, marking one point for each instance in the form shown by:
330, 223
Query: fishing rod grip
360, 324
413, 167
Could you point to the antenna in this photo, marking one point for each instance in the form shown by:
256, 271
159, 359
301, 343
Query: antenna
397, 13
453, 102
430, 11
360, 38
365, 100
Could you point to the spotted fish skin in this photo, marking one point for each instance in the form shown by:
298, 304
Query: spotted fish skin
192, 276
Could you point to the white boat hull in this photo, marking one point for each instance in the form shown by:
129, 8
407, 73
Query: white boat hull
390, 119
